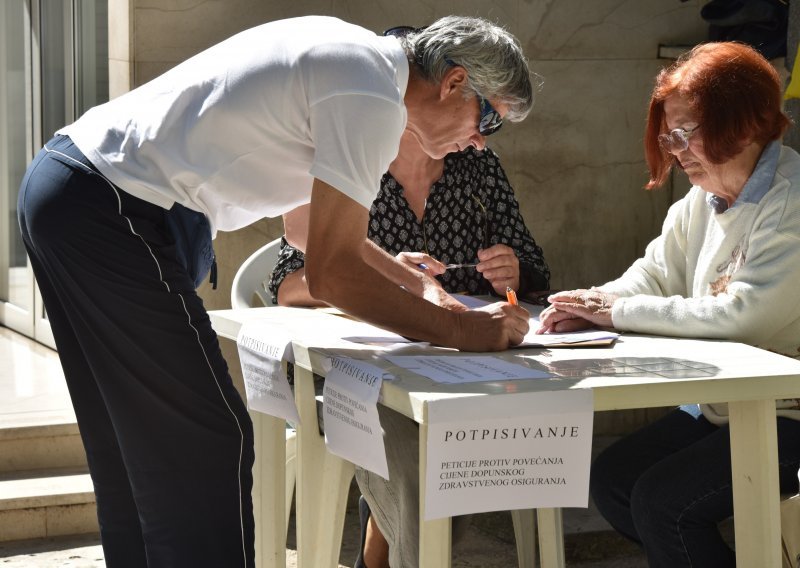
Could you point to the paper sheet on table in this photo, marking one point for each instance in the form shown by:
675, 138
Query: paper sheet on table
573, 339
377, 339
532, 339
262, 348
361, 332
350, 413
465, 369
502, 452
471, 302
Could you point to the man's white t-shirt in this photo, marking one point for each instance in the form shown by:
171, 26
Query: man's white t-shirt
239, 131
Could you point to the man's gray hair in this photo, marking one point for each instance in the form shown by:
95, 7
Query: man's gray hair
492, 57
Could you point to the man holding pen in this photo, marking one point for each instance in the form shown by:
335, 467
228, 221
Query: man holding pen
345, 269
118, 210
511, 296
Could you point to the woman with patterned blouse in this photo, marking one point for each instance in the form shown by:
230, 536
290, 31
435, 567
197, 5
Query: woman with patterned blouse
457, 210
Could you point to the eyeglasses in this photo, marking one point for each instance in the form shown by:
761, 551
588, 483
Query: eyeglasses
485, 236
401, 31
676, 140
491, 121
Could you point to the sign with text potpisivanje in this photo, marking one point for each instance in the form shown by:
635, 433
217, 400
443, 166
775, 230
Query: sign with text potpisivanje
510, 451
350, 413
262, 350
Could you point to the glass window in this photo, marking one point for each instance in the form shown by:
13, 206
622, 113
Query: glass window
74, 55
56, 55
14, 126
53, 68
91, 54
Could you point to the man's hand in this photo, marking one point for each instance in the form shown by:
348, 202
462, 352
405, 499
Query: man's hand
433, 292
494, 327
421, 261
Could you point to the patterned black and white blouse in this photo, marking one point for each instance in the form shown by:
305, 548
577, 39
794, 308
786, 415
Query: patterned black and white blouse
471, 207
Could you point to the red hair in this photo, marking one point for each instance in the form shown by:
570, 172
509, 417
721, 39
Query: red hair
735, 94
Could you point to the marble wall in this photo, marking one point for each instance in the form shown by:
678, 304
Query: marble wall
576, 163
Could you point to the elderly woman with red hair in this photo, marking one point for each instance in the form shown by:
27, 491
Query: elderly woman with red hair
726, 266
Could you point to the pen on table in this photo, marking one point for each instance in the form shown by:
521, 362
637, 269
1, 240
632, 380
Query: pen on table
511, 296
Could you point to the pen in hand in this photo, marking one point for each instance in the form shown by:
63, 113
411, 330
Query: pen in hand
424, 266
511, 296
449, 266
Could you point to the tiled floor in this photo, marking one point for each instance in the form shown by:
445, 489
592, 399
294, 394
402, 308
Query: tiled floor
487, 544
32, 387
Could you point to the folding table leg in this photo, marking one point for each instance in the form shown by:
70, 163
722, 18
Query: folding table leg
269, 505
435, 537
551, 538
525, 536
323, 482
756, 497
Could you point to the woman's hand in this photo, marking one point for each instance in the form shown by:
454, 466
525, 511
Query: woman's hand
500, 266
575, 310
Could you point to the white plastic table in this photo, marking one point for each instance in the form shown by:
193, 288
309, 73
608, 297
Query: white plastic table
629, 374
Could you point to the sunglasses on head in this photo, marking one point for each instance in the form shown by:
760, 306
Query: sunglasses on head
401, 31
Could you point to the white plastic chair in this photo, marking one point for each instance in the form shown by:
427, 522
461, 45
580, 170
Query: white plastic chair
247, 284
249, 279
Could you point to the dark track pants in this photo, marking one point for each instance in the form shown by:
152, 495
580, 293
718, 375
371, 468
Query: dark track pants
167, 436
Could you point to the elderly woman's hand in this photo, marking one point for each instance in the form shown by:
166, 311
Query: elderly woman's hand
575, 310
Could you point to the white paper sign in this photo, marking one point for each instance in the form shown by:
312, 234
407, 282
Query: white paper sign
465, 368
350, 412
262, 348
504, 452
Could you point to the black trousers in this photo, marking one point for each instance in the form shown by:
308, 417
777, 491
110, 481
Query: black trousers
167, 436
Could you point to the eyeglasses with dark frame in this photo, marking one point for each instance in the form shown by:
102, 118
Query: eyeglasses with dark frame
490, 120
677, 139
401, 31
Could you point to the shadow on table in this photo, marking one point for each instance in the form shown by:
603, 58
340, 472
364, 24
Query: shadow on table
665, 367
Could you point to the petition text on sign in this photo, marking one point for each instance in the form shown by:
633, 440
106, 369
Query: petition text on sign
350, 412
262, 349
504, 452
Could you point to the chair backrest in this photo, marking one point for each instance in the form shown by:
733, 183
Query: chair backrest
250, 277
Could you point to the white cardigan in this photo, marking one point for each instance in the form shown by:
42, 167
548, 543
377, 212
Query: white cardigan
733, 275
